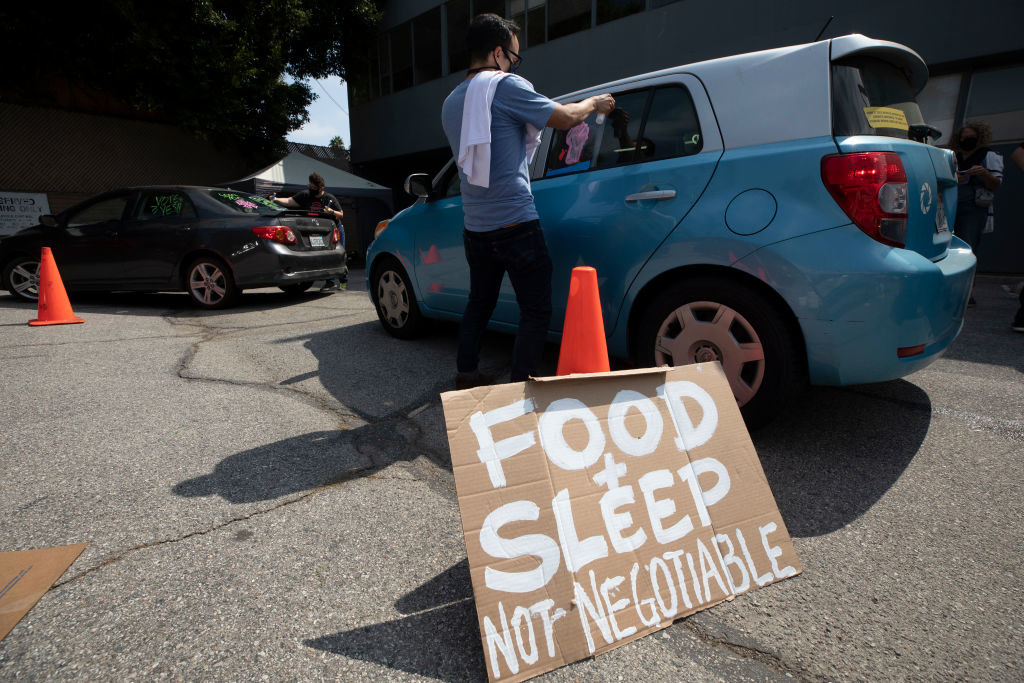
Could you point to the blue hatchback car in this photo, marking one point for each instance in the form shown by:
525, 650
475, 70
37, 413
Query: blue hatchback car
780, 211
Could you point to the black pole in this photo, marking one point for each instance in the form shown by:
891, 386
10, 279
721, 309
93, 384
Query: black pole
823, 28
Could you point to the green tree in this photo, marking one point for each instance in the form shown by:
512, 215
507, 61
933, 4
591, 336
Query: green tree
219, 68
337, 144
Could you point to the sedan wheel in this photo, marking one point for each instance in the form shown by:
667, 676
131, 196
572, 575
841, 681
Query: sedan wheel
396, 303
21, 278
210, 283
711, 319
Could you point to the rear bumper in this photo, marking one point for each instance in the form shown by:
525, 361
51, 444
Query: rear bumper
272, 264
858, 302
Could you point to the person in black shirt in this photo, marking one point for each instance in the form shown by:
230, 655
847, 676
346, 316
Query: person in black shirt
980, 175
316, 201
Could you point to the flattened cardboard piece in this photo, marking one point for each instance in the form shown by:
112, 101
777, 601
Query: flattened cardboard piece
25, 575
597, 509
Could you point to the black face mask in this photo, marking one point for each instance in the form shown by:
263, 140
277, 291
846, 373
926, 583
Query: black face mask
968, 144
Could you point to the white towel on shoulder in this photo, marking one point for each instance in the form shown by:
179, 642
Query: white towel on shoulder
474, 158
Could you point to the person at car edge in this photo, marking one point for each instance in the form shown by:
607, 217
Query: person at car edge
1018, 320
502, 228
316, 200
981, 173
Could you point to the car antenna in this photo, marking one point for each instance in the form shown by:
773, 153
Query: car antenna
824, 27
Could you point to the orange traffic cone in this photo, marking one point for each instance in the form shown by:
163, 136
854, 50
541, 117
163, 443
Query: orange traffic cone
54, 307
583, 347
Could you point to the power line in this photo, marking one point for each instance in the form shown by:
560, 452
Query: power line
331, 98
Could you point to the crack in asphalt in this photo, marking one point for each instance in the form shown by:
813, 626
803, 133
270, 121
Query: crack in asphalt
767, 659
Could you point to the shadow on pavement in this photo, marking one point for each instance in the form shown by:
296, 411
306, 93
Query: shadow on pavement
299, 464
838, 451
451, 585
442, 643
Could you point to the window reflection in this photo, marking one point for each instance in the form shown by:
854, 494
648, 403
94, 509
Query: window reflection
610, 10
567, 16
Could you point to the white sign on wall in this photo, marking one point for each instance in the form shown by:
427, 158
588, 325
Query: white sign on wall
20, 210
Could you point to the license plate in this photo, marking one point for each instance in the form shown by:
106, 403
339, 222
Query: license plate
941, 225
316, 240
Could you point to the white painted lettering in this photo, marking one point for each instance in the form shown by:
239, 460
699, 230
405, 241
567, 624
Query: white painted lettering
520, 615
658, 510
585, 605
551, 425
730, 559
500, 642
615, 522
774, 552
674, 556
490, 453
578, 554
538, 545
709, 569
688, 436
637, 602
548, 618
763, 579
704, 499
607, 586
623, 402
656, 564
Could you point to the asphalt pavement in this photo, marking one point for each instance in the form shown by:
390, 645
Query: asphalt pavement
267, 494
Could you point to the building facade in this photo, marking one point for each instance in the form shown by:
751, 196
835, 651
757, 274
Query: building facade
975, 56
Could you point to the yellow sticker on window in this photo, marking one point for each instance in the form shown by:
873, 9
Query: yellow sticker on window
886, 117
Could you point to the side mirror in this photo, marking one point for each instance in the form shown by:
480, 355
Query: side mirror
48, 221
418, 185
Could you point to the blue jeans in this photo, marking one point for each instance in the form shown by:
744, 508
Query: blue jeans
521, 252
970, 223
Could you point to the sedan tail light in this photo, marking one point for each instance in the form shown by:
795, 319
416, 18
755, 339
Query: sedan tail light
278, 233
871, 188
335, 237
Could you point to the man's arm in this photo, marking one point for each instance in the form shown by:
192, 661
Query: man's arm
287, 201
566, 116
1018, 156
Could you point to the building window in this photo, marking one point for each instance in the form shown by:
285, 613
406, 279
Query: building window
610, 10
568, 16
530, 15
938, 104
426, 31
401, 57
458, 25
996, 96
661, 3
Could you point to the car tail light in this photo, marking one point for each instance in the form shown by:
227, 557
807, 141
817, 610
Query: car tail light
908, 351
335, 237
278, 233
871, 188
380, 228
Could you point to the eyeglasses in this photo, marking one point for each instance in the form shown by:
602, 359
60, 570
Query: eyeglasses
513, 63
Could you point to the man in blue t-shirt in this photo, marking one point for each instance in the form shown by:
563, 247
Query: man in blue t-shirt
503, 233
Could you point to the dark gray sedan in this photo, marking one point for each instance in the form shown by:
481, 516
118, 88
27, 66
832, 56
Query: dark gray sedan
210, 242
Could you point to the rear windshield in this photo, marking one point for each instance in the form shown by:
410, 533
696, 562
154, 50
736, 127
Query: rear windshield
872, 97
243, 202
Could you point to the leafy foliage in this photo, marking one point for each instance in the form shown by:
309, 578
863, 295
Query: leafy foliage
215, 67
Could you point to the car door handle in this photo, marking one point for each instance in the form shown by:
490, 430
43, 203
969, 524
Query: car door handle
653, 194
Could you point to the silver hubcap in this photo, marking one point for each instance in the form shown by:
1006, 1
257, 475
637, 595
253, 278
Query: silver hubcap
393, 298
207, 283
704, 331
25, 279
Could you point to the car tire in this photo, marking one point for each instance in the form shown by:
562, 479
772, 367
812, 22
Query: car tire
21, 278
296, 289
707, 319
395, 300
210, 283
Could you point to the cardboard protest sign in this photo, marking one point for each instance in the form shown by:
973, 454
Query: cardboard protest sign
25, 575
599, 508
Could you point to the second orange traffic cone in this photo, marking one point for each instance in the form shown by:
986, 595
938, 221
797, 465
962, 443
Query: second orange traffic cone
54, 307
583, 346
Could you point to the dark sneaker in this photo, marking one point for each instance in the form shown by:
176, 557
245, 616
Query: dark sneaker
468, 380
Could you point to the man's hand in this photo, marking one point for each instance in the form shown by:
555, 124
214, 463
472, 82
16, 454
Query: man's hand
566, 116
603, 104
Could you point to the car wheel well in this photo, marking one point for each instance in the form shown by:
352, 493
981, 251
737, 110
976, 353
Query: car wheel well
653, 288
191, 256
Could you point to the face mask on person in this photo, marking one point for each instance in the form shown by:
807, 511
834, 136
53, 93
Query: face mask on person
967, 144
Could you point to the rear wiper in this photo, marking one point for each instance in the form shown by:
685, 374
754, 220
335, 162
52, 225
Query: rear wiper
920, 132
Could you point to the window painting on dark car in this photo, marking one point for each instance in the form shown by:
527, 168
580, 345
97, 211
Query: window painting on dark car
165, 205
243, 202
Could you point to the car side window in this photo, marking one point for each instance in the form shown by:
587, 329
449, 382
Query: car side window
110, 209
453, 186
589, 145
672, 128
164, 204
